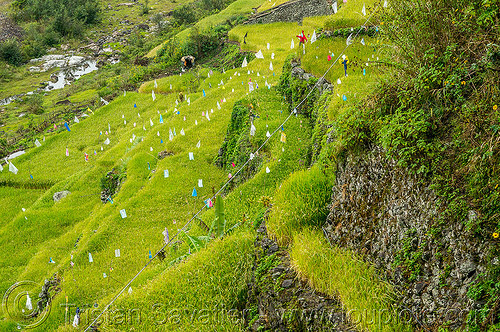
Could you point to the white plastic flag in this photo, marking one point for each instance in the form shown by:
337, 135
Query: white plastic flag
349, 40
245, 63
252, 156
292, 44
170, 134
117, 252
189, 101
91, 260
200, 183
268, 134
1, 168
272, 56
252, 130
76, 120
104, 101
150, 122
363, 11
28, 302
271, 66
385, 4
268, 46
206, 115
259, 55
198, 144
313, 38
156, 84
268, 170
37, 143
218, 105
196, 122
107, 141
153, 95
170, 86
182, 132
339, 81
123, 213
12, 168
334, 7
130, 290
363, 41
165, 173
191, 156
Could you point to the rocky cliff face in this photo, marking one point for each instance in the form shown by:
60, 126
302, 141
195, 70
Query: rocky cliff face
292, 11
394, 219
279, 301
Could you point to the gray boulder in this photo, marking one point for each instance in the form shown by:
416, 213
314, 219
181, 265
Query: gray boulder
60, 195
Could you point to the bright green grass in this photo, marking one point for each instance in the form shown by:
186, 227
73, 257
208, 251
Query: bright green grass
198, 293
13, 200
270, 4
152, 202
25, 81
338, 272
300, 201
239, 7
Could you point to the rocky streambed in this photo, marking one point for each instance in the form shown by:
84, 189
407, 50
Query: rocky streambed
72, 67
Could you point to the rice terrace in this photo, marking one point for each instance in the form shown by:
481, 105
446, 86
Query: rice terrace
250, 165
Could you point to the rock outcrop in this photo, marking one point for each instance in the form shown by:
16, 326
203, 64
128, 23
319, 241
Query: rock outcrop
394, 220
292, 11
280, 301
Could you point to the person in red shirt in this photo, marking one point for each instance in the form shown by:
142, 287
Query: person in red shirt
302, 38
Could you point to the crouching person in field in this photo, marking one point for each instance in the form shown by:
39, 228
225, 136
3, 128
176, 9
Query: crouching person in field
187, 62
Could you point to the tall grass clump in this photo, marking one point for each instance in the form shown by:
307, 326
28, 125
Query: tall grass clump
340, 273
301, 201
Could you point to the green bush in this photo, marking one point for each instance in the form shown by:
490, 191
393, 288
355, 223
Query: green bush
185, 14
10, 52
300, 202
34, 103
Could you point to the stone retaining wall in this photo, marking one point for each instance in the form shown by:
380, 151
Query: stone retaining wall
292, 11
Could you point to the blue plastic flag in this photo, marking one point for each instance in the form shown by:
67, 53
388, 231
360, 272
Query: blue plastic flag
178, 112
150, 256
344, 97
135, 106
194, 192
67, 127
31, 176
149, 167
364, 71
161, 140
204, 94
161, 119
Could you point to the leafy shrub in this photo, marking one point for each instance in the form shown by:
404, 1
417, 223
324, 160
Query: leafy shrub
66, 17
10, 52
301, 201
34, 103
185, 14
